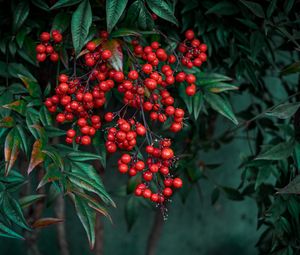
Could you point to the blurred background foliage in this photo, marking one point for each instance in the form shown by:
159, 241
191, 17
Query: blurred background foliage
241, 181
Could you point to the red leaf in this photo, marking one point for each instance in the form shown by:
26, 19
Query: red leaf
37, 156
44, 222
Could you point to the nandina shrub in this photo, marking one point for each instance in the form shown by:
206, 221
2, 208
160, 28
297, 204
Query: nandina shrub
141, 85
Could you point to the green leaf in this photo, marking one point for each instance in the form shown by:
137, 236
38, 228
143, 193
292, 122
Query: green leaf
197, 104
24, 138
64, 3
37, 156
257, 41
114, 10
54, 131
41, 4
220, 87
32, 86
288, 5
271, 8
61, 22
162, 9
18, 106
32, 121
223, 8
255, 8
90, 179
29, 200
7, 232
291, 69
278, 152
20, 14
292, 188
52, 174
87, 217
80, 25
7, 122
15, 69
220, 105
83, 156
13, 211
284, 111
45, 117
11, 149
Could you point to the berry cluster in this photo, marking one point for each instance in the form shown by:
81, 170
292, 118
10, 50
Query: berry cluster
123, 136
146, 88
46, 47
193, 50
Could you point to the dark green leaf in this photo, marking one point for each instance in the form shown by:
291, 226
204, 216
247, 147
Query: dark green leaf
20, 14
114, 10
29, 200
220, 105
223, 8
278, 152
87, 217
255, 8
64, 3
162, 9
80, 25
284, 111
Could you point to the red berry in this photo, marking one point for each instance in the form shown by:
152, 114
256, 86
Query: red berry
40, 48
147, 193
54, 57
167, 192
106, 54
60, 117
189, 34
147, 68
45, 37
91, 46
177, 183
85, 140
154, 198
167, 153
123, 168
126, 158
71, 133
147, 176
41, 57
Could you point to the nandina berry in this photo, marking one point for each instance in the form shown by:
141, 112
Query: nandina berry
60, 118
140, 165
91, 46
147, 68
167, 192
81, 122
106, 54
167, 153
168, 182
147, 176
45, 37
40, 48
177, 183
190, 78
191, 90
41, 57
118, 76
54, 57
123, 168
147, 193
141, 130
71, 133
189, 34
85, 140
154, 198
126, 158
